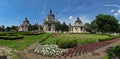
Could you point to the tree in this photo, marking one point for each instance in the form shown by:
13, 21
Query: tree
58, 26
88, 27
118, 29
33, 27
64, 27
2, 28
14, 28
106, 23
7, 28
94, 26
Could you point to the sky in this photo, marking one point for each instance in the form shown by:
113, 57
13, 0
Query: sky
13, 12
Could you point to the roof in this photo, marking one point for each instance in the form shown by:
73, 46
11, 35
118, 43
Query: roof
78, 21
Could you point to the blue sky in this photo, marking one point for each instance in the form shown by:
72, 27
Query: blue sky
13, 12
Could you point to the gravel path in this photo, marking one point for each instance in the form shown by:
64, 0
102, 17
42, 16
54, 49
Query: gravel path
98, 54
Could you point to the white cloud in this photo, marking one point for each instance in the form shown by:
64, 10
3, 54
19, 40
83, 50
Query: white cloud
117, 13
112, 5
112, 10
70, 17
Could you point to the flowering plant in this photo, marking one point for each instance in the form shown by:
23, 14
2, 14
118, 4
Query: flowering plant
49, 50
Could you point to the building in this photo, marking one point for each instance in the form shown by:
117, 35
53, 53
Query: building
77, 27
49, 23
25, 25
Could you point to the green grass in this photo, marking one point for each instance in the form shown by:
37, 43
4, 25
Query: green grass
81, 38
22, 44
106, 57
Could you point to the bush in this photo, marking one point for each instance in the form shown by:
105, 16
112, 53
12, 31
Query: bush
12, 37
110, 38
67, 43
115, 52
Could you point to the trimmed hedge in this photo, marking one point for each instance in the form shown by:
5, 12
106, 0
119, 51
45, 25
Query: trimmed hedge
12, 37
67, 43
112, 37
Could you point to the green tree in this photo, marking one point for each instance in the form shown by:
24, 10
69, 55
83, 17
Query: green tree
64, 27
88, 27
94, 26
2, 28
106, 23
58, 26
7, 28
33, 27
118, 29
14, 28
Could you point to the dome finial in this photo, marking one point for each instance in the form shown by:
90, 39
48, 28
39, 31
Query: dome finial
50, 11
78, 18
25, 18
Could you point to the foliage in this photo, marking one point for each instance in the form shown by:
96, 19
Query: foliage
81, 38
88, 27
94, 26
58, 26
48, 50
87, 48
67, 43
10, 36
2, 28
33, 27
64, 27
115, 52
106, 23
109, 38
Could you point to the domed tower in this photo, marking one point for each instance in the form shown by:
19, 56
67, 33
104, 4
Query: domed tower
26, 22
50, 16
49, 23
25, 25
77, 27
78, 22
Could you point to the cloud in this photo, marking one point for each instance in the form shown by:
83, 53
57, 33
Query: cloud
117, 13
112, 11
70, 17
112, 5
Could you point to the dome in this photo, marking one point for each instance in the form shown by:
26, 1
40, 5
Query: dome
26, 20
78, 21
51, 14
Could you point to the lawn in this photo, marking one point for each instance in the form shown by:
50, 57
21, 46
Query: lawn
23, 43
81, 38
28, 40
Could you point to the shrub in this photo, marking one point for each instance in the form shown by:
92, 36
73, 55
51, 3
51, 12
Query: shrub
48, 50
67, 43
115, 52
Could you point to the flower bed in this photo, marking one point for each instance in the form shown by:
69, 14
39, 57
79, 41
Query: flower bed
49, 50
82, 49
